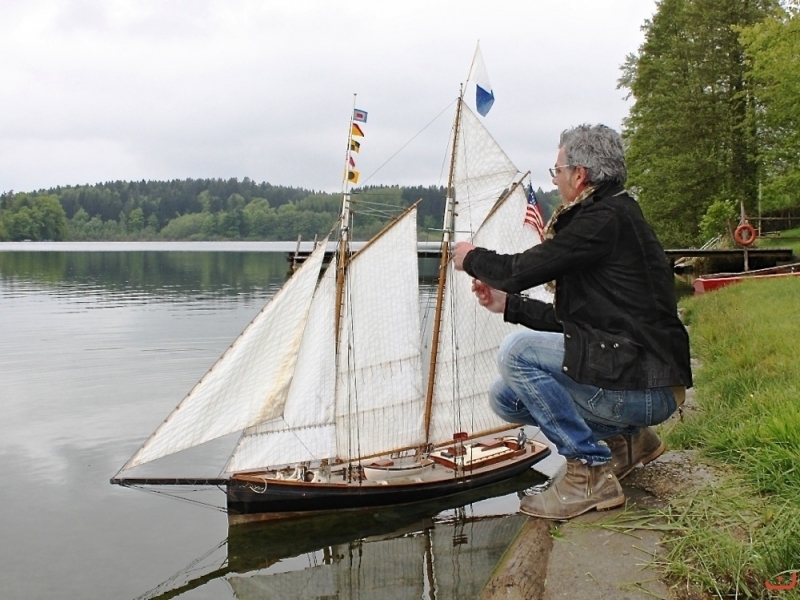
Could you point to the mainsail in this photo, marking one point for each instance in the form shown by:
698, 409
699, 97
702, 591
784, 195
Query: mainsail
482, 171
490, 212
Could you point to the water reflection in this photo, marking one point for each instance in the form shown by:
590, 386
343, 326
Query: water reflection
159, 273
95, 349
436, 550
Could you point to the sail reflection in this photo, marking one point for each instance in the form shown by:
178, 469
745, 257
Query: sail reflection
442, 560
435, 550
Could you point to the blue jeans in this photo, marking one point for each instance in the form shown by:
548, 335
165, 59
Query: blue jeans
532, 389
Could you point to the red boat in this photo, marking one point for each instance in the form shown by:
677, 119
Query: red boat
709, 283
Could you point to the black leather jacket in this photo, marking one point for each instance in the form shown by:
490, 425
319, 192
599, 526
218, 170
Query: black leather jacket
614, 300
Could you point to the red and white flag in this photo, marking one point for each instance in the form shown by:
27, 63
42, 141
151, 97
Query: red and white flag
533, 212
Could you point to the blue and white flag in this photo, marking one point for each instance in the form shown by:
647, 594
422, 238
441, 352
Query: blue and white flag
484, 96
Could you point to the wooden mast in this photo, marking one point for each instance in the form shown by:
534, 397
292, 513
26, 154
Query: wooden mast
343, 247
449, 223
343, 253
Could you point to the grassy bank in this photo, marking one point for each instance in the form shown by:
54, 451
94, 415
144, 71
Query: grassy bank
788, 239
744, 528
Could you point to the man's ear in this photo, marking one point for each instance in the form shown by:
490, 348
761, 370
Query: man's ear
582, 176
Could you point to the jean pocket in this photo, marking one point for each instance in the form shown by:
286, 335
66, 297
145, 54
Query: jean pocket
635, 408
608, 405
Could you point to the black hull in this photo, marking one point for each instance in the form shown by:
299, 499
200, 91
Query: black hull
251, 501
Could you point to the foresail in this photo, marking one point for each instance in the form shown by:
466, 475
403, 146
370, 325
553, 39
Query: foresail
248, 384
304, 431
482, 172
380, 402
470, 334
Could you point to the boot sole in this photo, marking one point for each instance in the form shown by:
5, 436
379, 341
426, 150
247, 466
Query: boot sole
643, 461
607, 505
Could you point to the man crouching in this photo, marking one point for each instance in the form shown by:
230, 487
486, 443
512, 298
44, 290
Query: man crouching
609, 357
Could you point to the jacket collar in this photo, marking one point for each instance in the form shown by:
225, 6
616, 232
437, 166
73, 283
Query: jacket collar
588, 196
604, 190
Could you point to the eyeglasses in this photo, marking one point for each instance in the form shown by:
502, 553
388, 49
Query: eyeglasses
554, 170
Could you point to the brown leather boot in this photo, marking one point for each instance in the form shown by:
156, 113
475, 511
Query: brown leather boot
631, 451
581, 489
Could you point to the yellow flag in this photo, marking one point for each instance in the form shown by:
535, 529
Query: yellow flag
356, 130
352, 176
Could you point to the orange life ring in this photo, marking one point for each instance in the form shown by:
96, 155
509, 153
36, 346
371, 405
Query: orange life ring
745, 234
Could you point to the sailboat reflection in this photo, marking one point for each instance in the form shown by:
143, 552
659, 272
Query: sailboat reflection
443, 560
431, 550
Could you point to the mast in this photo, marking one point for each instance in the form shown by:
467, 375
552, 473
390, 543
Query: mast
343, 245
449, 222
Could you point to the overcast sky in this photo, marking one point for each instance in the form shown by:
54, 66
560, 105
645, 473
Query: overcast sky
102, 90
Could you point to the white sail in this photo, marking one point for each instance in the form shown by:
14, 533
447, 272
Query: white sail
248, 384
304, 431
379, 399
482, 172
373, 401
470, 334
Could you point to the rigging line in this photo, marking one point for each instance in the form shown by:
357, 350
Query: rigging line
293, 431
190, 568
181, 498
373, 203
452, 302
371, 175
379, 211
352, 386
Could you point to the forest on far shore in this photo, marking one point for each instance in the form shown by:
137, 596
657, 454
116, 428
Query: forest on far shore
212, 209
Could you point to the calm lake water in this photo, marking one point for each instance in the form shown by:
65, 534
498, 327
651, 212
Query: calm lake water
98, 343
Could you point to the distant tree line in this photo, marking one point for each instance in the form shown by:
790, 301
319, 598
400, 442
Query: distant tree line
715, 123
210, 209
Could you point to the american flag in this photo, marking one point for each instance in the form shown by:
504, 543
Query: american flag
533, 212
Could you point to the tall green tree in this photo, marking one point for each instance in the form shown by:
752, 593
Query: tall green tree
35, 218
773, 52
691, 142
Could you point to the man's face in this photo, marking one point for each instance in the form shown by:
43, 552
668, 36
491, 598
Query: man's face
568, 179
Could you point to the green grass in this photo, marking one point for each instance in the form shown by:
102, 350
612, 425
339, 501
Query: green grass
788, 239
733, 535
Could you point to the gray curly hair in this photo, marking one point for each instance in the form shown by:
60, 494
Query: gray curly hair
599, 149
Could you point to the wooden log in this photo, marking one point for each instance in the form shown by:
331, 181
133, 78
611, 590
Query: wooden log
520, 573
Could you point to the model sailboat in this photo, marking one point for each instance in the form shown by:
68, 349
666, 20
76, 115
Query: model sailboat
339, 404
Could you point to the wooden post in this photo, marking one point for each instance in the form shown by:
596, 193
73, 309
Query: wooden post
296, 257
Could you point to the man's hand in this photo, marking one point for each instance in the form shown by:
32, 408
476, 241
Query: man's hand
488, 297
460, 251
